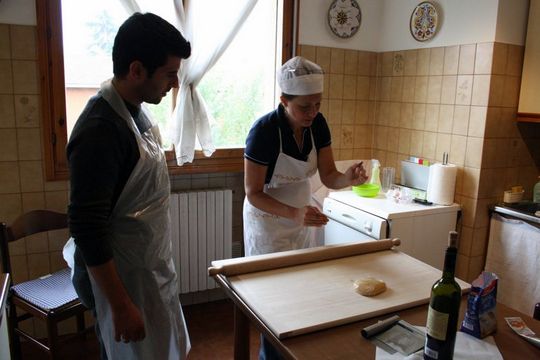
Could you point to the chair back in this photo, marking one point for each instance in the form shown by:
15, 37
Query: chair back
30, 223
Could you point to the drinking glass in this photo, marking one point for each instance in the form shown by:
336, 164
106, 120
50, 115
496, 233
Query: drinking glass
388, 174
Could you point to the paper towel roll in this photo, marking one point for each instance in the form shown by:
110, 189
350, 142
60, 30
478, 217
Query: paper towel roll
441, 183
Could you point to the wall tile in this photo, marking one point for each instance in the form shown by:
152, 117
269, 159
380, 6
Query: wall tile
335, 111
351, 62
362, 136
432, 117
335, 90
64, 185
362, 112
496, 89
6, 77
396, 88
326, 86
387, 63
451, 60
407, 112
464, 89
461, 120
476, 265
419, 116
10, 207
444, 142
448, 90
29, 144
33, 201
473, 153
349, 87
9, 177
511, 91
362, 87
335, 132
514, 62
434, 89
480, 93
309, 52
484, 58
31, 176
423, 61
25, 77
27, 110
404, 141
5, 46
471, 180
436, 61
323, 58
462, 267
23, 42
468, 207
364, 63
417, 142
430, 144
380, 137
477, 121
348, 112
393, 139
465, 240
58, 238
420, 89
38, 265
466, 59
493, 121
398, 65
446, 118
395, 113
458, 146
337, 61
409, 83
385, 88
37, 243
8, 145
500, 58
57, 200
19, 266
7, 111
409, 60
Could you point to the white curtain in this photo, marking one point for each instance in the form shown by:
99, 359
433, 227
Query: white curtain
210, 26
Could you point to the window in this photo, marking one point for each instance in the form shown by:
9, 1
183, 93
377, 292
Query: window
75, 64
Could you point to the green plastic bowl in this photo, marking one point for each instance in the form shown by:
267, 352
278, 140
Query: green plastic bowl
366, 190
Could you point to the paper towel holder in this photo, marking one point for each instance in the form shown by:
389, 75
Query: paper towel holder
445, 158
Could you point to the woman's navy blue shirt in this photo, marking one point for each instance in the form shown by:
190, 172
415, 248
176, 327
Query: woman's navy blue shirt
262, 143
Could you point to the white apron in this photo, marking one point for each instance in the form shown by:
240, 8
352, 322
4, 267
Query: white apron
142, 252
267, 233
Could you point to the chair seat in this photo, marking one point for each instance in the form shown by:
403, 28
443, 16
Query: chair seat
49, 292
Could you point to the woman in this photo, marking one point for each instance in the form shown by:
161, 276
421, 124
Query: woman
283, 150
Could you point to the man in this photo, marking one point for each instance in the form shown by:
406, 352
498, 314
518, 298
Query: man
118, 211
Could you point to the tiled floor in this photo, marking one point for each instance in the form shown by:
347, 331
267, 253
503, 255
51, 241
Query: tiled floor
210, 328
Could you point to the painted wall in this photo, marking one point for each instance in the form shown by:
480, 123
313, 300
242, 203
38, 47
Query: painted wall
19, 12
385, 24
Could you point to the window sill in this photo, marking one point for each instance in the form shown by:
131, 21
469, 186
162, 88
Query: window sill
222, 160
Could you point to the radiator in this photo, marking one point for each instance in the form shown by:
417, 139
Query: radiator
201, 231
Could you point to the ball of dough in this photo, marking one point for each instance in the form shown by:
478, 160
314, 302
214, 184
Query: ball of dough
370, 286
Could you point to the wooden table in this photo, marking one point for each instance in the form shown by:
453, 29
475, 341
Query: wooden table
345, 341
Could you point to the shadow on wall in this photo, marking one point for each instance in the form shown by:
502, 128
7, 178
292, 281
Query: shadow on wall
530, 132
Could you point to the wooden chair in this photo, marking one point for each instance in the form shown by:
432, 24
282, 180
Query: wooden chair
536, 313
50, 298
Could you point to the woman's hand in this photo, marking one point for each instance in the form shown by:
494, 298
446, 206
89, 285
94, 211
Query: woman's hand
310, 216
356, 174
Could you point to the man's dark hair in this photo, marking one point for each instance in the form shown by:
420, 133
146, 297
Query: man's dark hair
288, 96
149, 39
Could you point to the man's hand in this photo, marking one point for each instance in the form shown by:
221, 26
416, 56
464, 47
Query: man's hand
128, 323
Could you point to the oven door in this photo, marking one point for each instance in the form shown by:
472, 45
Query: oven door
347, 224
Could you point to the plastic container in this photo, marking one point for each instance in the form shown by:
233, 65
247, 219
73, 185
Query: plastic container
375, 173
366, 190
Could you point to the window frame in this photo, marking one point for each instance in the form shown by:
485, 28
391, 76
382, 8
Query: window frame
53, 107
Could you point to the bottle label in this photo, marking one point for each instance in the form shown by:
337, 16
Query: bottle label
437, 323
431, 353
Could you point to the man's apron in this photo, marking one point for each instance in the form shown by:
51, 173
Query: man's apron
266, 233
142, 252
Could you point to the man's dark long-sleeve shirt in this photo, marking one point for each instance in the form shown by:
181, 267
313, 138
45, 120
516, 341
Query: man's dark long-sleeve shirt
102, 152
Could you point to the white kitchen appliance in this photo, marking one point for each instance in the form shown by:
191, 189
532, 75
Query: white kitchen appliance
423, 230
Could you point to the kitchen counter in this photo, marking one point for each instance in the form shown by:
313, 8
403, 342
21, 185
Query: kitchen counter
387, 209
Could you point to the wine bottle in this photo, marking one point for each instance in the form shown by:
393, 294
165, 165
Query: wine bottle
443, 309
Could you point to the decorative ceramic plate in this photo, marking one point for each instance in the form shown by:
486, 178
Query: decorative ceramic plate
344, 17
424, 20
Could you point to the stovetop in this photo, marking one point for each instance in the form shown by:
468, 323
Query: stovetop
525, 210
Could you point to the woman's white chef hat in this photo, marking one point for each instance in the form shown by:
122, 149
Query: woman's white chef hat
299, 76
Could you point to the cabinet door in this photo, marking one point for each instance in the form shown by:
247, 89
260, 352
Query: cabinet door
529, 106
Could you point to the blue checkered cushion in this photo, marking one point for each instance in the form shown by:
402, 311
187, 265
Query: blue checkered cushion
48, 292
